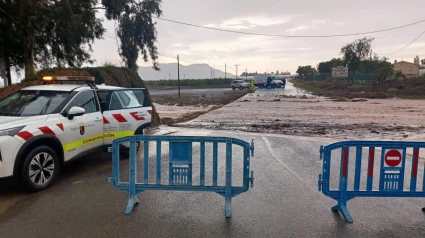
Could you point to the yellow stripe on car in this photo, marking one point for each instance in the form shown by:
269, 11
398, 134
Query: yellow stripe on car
88, 140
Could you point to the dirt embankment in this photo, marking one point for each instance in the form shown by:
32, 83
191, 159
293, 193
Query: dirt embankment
407, 88
192, 102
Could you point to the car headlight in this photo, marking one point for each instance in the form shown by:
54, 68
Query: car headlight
11, 131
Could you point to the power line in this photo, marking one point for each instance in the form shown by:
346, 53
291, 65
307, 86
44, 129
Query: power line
288, 36
113, 38
407, 44
167, 56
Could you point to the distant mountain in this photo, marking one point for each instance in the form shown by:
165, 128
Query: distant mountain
193, 71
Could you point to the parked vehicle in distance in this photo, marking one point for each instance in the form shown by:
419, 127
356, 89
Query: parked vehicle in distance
239, 84
279, 83
268, 81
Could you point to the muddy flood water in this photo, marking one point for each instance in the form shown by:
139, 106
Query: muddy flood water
293, 111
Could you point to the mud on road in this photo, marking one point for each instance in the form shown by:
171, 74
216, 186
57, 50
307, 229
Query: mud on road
292, 111
319, 117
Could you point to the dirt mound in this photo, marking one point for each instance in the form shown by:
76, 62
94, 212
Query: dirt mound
109, 75
407, 88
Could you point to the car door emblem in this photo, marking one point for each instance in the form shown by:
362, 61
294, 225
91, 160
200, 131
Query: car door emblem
82, 128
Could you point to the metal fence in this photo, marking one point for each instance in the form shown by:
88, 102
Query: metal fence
178, 164
378, 169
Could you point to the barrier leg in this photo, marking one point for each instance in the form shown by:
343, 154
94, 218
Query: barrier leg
228, 189
342, 208
132, 202
342, 201
228, 205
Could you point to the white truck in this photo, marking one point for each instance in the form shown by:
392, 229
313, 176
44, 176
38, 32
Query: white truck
268, 81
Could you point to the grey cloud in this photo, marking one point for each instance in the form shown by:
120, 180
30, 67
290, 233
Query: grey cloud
310, 17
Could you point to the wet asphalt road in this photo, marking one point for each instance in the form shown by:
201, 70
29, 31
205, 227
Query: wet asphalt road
289, 90
285, 202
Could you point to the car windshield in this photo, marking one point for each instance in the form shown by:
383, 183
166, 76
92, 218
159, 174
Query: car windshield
31, 103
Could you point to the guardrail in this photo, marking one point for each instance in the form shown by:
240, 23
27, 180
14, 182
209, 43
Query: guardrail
389, 160
180, 163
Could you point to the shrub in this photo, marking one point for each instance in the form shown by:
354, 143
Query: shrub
392, 90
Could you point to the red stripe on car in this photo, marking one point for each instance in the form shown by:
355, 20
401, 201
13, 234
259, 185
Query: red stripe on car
46, 130
150, 112
105, 121
60, 125
24, 135
138, 118
119, 117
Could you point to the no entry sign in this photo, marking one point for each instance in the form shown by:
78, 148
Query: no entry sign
393, 158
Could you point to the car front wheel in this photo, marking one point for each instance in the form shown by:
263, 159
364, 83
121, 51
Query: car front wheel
233, 88
39, 169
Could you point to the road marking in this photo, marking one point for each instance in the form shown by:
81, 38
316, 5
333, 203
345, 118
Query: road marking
285, 166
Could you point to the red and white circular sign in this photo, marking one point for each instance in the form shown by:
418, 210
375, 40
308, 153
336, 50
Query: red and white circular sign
393, 158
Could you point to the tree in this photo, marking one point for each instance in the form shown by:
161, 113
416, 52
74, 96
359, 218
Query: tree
10, 51
305, 70
416, 60
423, 62
356, 52
277, 72
61, 32
384, 69
398, 74
326, 66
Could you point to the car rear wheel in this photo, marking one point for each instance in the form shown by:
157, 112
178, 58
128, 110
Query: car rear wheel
39, 169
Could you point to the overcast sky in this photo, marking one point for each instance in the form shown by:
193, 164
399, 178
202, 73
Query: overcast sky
260, 53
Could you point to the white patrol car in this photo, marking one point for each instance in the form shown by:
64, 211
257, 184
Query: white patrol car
42, 127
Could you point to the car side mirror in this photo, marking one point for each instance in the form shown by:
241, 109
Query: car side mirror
75, 112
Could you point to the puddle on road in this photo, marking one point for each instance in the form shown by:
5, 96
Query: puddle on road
289, 91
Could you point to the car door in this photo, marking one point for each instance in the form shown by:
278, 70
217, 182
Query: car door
128, 112
82, 133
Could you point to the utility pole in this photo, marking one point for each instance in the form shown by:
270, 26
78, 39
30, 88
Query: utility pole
178, 72
211, 72
370, 68
169, 76
225, 71
246, 74
184, 76
236, 70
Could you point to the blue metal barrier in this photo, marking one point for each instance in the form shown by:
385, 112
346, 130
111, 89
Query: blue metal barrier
391, 169
180, 167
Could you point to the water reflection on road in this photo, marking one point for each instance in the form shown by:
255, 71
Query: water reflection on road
289, 90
